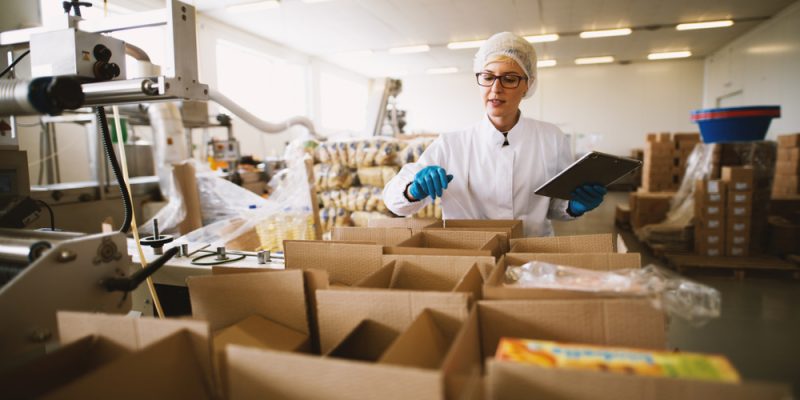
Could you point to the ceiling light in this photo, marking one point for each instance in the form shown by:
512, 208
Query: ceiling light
605, 33
442, 70
472, 44
253, 6
704, 25
668, 55
410, 49
550, 37
594, 60
545, 63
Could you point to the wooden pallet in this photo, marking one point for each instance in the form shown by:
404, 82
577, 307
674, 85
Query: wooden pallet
736, 267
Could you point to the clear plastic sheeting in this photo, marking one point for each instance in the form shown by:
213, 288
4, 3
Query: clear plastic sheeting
676, 295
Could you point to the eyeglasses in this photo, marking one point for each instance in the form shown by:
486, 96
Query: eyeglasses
507, 81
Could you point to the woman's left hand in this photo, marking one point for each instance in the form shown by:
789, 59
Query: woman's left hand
586, 198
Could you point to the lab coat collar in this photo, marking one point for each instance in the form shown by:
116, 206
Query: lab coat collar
494, 138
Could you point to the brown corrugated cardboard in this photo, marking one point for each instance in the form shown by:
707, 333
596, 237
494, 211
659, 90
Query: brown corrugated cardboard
435, 274
511, 381
710, 237
346, 263
415, 224
60, 367
367, 342
617, 322
340, 311
485, 263
792, 140
599, 243
169, 368
257, 331
649, 208
711, 223
513, 227
404, 373
738, 225
457, 243
786, 154
381, 236
738, 178
788, 167
495, 288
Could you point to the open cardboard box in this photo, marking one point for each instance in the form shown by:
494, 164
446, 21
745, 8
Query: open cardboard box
345, 262
446, 243
415, 224
485, 264
613, 322
598, 243
496, 289
432, 274
113, 355
424, 358
507, 228
381, 236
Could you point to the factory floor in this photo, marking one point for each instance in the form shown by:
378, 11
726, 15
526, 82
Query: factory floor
759, 329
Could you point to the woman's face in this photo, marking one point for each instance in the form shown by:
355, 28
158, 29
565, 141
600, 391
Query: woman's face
499, 101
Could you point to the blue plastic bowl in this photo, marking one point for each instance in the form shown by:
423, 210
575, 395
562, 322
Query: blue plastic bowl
735, 124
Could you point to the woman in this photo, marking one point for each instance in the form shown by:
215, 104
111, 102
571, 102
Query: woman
491, 170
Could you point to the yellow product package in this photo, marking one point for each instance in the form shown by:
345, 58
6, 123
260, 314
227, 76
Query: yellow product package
617, 359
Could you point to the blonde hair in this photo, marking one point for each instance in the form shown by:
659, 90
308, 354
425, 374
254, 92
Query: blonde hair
502, 58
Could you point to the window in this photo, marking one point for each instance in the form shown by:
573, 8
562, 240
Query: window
268, 87
343, 102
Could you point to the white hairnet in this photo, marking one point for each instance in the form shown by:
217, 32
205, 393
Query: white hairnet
514, 47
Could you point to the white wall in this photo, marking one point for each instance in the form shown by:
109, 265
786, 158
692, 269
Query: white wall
619, 102
760, 68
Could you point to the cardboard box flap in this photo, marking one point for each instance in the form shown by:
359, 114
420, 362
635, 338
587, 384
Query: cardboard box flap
463, 365
367, 342
599, 243
60, 367
472, 240
224, 300
382, 236
264, 374
485, 263
613, 322
257, 331
437, 273
421, 345
380, 279
411, 223
168, 369
514, 227
339, 311
509, 380
471, 282
346, 263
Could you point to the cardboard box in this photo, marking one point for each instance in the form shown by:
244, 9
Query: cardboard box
709, 242
649, 208
599, 243
711, 211
740, 199
346, 263
507, 229
710, 192
738, 178
457, 243
381, 236
738, 225
664, 137
427, 359
740, 210
485, 264
436, 274
415, 224
257, 331
788, 154
495, 288
714, 223
792, 140
788, 167
512, 381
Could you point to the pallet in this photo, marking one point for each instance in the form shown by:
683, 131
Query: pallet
736, 267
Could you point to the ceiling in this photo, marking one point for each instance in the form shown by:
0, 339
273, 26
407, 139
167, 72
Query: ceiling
340, 30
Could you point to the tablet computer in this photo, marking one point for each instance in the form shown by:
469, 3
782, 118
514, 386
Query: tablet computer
594, 167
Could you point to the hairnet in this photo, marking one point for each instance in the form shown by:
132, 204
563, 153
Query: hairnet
514, 47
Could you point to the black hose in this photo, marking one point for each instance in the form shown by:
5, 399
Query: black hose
130, 284
11, 66
112, 159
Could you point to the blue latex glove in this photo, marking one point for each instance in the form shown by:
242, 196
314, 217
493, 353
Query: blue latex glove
430, 181
586, 198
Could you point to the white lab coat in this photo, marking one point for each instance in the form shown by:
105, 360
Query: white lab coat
492, 181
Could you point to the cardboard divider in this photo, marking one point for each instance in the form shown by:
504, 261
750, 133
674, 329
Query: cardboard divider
381, 236
367, 342
512, 381
345, 262
169, 368
456, 243
507, 229
495, 287
434, 274
599, 243
422, 345
617, 322
485, 264
415, 224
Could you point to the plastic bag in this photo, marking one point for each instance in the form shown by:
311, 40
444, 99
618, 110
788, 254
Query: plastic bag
676, 295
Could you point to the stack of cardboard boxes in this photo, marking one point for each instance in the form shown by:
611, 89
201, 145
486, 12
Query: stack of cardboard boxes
738, 210
710, 204
684, 145
658, 168
787, 168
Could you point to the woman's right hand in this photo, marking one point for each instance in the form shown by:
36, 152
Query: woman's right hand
430, 181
